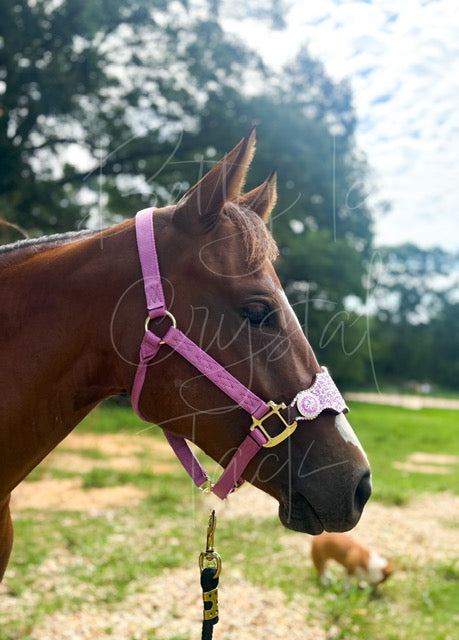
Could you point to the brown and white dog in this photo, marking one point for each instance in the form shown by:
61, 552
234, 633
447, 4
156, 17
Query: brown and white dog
367, 566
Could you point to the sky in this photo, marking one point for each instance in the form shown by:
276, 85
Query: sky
402, 60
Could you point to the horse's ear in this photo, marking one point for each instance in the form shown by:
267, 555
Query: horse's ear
263, 199
204, 202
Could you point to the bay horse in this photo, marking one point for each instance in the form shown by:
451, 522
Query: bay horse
73, 317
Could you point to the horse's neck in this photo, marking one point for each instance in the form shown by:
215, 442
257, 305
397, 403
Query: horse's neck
58, 356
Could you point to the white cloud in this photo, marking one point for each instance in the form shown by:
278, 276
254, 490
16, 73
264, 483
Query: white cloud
403, 63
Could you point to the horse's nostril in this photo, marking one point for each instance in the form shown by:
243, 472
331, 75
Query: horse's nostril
363, 491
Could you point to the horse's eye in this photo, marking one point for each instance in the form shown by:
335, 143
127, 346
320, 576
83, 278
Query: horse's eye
260, 315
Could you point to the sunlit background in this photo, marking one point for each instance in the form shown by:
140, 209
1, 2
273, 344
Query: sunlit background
402, 61
109, 106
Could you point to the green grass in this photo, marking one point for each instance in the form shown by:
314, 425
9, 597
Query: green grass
391, 434
388, 434
113, 418
68, 561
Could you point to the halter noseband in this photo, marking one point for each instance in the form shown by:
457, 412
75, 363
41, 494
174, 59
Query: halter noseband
323, 394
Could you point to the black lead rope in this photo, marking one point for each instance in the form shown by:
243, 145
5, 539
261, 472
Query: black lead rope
210, 565
209, 586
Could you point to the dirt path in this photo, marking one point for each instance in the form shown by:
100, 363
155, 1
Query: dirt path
84, 452
406, 401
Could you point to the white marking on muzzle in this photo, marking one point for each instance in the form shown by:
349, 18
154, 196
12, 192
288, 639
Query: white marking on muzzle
347, 432
341, 422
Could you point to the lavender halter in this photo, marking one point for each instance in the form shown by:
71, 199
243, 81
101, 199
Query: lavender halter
323, 394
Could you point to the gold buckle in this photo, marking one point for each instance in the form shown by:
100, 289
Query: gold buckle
275, 410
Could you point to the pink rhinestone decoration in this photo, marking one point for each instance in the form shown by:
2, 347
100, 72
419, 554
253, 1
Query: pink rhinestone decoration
323, 394
308, 405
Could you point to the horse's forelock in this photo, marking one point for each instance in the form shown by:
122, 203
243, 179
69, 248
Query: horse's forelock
259, 243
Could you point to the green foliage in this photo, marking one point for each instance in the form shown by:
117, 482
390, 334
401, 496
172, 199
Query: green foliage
415, 325
140, 94
86, 94
411, 284
110, 106
444, 336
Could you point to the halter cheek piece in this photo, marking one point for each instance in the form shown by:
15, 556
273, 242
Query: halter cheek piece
323, 394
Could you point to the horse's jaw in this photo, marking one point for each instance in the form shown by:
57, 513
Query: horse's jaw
298, 515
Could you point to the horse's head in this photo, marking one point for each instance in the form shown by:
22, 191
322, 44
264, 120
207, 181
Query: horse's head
215, 255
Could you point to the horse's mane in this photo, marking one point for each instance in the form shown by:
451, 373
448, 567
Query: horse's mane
259, 242
55, 238
22, 249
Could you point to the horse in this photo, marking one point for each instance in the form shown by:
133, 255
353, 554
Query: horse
73, 316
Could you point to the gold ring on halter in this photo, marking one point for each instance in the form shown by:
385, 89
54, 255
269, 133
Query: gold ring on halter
166, 313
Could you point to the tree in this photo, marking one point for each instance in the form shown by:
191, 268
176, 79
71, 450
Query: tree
444, 360
410, 284
110, 106
324, 236
413, 290
95, 94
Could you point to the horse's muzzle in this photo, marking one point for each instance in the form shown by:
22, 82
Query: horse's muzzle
297, 512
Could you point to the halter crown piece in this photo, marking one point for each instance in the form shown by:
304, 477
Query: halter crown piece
323, 394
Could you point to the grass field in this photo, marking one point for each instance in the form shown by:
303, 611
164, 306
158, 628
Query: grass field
91, 567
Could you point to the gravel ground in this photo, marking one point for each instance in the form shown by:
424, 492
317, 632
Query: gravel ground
425, 530
249, 612
170, 605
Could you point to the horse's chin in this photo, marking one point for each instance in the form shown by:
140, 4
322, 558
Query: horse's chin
298, 515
